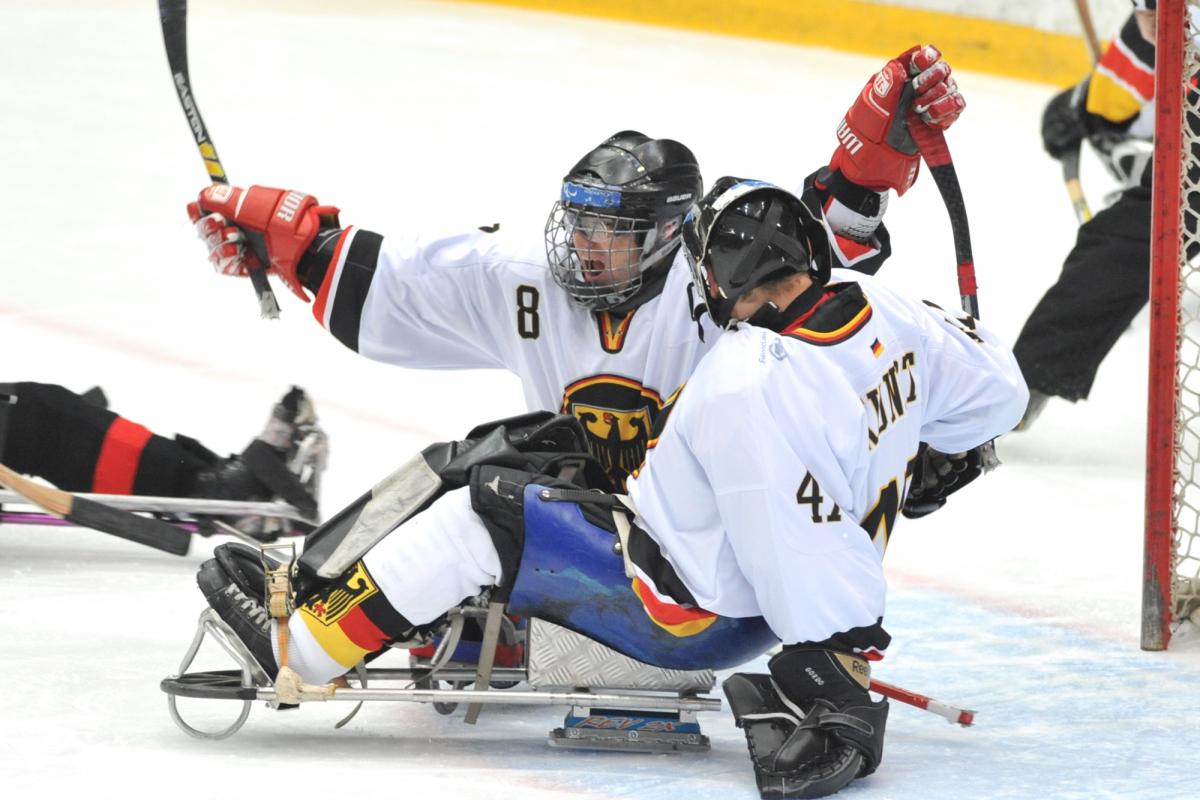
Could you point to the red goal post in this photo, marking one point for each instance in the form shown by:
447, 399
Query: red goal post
1171, 573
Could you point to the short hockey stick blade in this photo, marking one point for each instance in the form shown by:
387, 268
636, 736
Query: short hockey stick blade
173, 16
143, 530
948, 712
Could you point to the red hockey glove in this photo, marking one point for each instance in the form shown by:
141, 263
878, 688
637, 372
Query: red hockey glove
876, 149
278, 224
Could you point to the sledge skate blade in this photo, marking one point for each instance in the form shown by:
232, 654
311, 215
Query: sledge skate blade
653, 718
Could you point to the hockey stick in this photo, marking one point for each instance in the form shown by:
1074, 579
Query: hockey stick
185, 505
1070, 171
173, 15
1070, 160
89, 514
932, 144
962, 716
43, 519
1089, 30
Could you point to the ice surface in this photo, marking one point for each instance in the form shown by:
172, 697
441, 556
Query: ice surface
1020, 599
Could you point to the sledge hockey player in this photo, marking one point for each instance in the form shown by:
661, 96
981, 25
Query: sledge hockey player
78, 444
1105, 278
767, 499
606, 332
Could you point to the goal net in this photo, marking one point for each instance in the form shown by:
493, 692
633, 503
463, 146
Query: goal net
1171, 585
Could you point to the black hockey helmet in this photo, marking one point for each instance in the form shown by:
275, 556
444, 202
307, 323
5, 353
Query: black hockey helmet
744, 233
612, 235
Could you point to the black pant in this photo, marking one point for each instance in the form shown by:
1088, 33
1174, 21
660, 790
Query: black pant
1105, 282
56, 434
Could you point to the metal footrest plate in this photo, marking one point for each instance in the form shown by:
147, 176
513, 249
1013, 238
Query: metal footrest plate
630, 731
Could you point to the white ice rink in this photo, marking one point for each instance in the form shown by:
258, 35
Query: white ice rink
1020, 599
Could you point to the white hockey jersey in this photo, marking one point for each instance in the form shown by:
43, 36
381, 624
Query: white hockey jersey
482, 300
777, 480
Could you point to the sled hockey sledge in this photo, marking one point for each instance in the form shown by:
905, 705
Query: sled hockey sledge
586, 641
631, 682
616, 703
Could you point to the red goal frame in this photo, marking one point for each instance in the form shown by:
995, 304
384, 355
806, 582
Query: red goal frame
1164, 432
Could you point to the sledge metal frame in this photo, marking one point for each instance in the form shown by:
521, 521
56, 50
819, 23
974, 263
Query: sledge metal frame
249, 683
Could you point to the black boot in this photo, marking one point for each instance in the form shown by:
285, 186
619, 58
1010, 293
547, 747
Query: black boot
284, 462
234, 584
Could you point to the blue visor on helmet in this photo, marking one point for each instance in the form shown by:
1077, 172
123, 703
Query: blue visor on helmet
579, 195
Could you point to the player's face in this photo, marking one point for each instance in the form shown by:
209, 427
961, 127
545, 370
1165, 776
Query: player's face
749, 303
605, 257
781, 293
1147, 22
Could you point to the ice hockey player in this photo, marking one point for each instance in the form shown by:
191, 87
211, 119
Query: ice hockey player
776, 483
604, 333
1105, 278
78, 444
770, 493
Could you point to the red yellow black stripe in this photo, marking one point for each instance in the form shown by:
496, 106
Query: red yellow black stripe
612, 330
840, 334
353, 618
675, 620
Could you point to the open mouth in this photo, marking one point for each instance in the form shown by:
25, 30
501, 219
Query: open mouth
592, 268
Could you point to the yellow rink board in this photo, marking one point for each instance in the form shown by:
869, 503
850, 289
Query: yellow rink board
969, 43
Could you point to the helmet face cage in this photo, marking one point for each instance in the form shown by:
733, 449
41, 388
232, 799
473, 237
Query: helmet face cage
598, 258
615, 229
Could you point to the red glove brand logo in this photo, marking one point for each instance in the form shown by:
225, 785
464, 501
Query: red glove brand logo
289, 206
220, 193
846, 136
883, 84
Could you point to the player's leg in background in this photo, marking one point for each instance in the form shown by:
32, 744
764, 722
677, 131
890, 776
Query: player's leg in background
78, 444
1102, 287
56, 434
